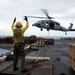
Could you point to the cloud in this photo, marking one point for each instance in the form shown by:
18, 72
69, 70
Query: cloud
18, 8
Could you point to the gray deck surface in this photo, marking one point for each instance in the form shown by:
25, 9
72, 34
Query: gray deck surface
59, 54
42, 68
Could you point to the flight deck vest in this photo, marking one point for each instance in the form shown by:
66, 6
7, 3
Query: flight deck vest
18, 36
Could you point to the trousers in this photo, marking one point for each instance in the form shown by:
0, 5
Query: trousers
19, 52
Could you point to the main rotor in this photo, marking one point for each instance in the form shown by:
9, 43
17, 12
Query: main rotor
45, 12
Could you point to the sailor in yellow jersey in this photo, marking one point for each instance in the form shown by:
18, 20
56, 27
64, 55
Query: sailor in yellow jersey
18, 35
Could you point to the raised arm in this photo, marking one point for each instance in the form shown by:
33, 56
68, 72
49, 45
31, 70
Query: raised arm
27, 24
12, 26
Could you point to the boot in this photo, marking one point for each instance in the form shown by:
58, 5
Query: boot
15, 68
25, 70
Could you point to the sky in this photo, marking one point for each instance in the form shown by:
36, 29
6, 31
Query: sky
62, 10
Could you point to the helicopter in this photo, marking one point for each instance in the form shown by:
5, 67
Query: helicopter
50, 24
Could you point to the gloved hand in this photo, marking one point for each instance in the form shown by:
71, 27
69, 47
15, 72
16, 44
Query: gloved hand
25, 18
14, 20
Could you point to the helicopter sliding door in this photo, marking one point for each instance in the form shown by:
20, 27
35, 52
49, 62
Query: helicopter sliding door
52, 25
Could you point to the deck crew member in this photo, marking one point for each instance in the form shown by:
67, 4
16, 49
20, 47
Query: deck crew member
18, 35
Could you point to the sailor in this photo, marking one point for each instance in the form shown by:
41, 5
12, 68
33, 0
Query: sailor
18, 35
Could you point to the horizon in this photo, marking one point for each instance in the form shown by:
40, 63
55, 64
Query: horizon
55, 37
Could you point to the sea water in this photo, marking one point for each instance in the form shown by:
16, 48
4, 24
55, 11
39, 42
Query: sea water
3, 52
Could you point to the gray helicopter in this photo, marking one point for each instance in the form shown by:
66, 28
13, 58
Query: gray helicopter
50, 24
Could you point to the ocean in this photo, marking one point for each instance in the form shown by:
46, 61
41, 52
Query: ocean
4, 51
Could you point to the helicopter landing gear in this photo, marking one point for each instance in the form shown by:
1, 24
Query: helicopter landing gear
65, 33
41, 29
47, 29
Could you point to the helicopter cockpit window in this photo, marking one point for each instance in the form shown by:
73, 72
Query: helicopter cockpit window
38, 24
57, 23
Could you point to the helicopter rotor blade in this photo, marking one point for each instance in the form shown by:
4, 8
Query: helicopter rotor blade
46, 13
35, 17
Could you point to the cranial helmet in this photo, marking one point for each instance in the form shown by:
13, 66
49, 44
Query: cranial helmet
18, 25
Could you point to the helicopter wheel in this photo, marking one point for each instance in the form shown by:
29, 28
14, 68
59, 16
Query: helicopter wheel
47, 29
41, 29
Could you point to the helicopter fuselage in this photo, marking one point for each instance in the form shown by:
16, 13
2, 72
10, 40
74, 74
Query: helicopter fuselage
49, 24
